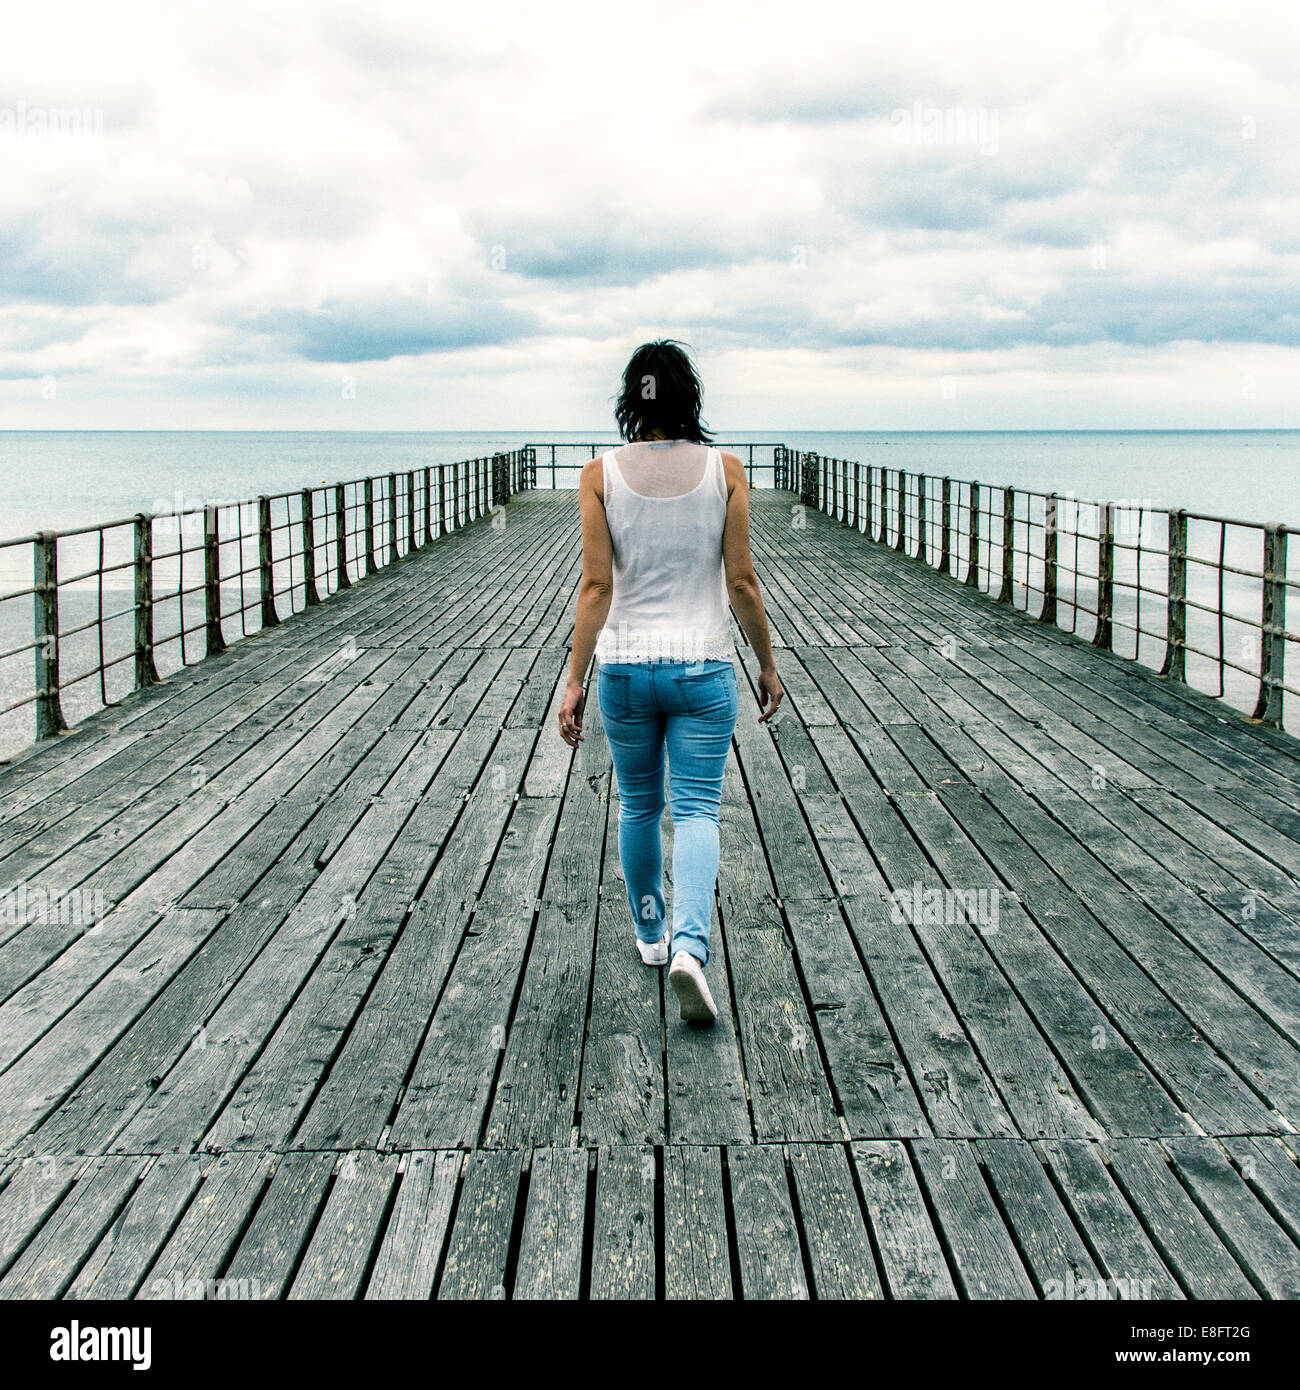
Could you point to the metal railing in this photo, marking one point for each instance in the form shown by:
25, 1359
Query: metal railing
1219, 585
116, 603
559, 469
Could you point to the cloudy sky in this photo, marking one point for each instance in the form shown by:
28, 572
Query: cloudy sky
860, 215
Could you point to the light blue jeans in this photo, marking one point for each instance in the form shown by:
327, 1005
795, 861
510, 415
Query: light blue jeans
687, 709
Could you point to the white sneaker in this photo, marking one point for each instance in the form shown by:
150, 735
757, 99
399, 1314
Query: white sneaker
687, 979
654, 952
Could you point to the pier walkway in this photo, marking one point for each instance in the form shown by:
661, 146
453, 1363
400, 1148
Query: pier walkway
1007, 955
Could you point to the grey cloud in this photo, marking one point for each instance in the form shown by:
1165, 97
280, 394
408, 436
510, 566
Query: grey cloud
49, 261
549, 248
374, 331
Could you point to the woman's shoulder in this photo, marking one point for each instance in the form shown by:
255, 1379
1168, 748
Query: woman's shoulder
734, 470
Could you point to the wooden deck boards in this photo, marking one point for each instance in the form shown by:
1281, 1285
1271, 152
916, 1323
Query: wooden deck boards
363, 1019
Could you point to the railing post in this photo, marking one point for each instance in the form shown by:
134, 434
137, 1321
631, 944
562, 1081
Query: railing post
442, 499
901, 543
410, 511
1050, 536
265, 567
212, 582
428, 506
808, 479
341, 535
869, 499
310, 596
945, 528
1175, 663
857, 495
1272, 654
455, 494
392, 519
921, 553
146, 673
1104, 637
973, 539
368, 517
49, 710
1007, 593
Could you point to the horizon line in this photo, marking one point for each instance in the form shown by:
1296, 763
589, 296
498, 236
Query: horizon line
400, 429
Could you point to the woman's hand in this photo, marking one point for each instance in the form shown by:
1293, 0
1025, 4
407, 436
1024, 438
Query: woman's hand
771, 692
571, 713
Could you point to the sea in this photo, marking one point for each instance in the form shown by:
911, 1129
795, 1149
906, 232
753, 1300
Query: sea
53, 480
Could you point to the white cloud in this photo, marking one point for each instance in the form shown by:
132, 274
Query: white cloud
460, 204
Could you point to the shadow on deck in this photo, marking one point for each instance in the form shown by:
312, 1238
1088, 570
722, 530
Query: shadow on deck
364, 981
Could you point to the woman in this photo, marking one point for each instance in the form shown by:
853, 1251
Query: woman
665, 542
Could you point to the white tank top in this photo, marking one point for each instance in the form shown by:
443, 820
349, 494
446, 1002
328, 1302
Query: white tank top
670, 582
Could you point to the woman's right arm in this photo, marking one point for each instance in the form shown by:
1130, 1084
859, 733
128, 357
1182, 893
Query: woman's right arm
743, 586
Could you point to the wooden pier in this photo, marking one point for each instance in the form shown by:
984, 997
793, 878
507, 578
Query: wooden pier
362, 1015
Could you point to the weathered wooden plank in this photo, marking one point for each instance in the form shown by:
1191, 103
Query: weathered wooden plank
413, 1241
695, 1242
1262, 1248
1201, 993
942, 1067
831, 1222
550, 1247
788, 1089
536, 1095
33, 1189
1273, 1177
210, 1230
450, 1083
1187, 1242
109, 1096
1113, 1231
911, 1255
871, 1080
339, 1255
984, 1253
624, 1234
1110, 1077
1030, 1079
273, 1095
187, 1099
48, 1264
767, 1236
46, 1073
707, 1091
622, 1089
480, 1235
119, 1262
1051, 1249
269, 1253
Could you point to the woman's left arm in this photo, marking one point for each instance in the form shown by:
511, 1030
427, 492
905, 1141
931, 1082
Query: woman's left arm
595, 592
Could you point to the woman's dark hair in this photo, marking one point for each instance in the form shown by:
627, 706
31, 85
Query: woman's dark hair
661, 391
